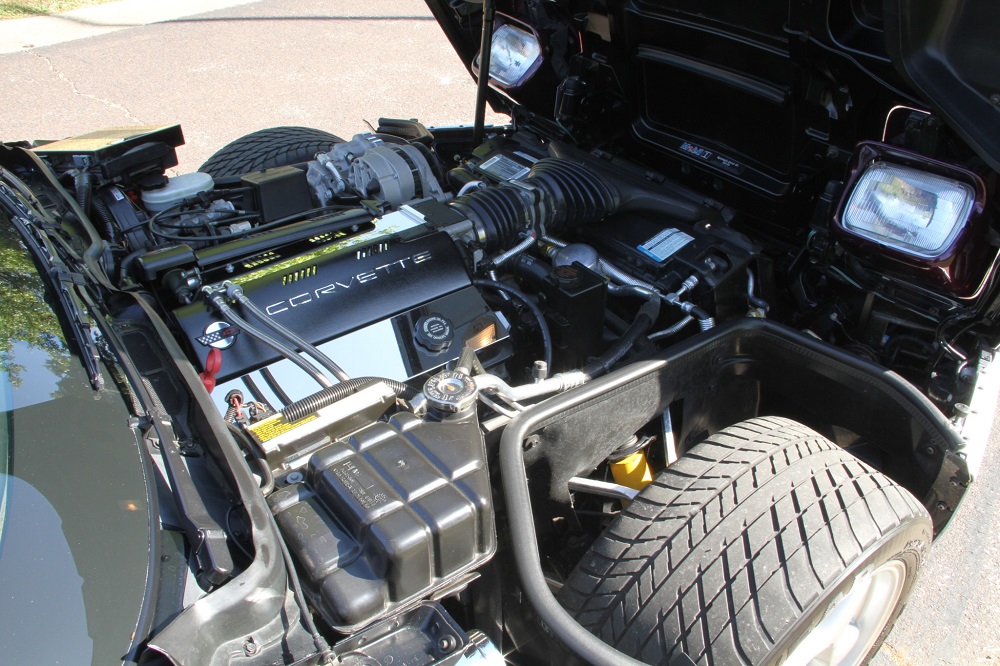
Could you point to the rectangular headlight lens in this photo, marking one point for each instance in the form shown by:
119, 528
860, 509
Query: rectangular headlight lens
513, 55
913, 211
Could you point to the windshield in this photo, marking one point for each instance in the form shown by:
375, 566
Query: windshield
74, 519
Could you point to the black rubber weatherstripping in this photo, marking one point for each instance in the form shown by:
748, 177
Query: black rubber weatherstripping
738, 549
268, 148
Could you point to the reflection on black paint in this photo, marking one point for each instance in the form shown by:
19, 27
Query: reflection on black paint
74, 512
45, 620
24, 315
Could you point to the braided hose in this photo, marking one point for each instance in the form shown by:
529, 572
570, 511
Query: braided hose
218, 301
504, 257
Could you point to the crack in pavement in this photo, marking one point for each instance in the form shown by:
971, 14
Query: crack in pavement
76, 91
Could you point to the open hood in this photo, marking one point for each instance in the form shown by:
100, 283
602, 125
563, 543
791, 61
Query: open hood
949, 52
765, 87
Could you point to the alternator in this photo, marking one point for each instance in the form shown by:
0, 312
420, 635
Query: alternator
368, 167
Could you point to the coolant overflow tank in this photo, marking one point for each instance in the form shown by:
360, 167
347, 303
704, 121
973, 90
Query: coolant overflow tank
387, 516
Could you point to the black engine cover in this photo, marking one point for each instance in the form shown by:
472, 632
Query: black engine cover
329, 292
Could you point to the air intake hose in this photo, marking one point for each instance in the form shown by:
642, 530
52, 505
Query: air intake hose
555, 193
576, 195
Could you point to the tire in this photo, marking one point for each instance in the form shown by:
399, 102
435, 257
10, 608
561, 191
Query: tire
267, 148
738, 550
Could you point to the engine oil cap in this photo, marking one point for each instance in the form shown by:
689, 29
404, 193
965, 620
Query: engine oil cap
450, 391
434, 332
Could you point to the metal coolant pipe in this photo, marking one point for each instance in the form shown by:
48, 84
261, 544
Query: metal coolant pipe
557, 383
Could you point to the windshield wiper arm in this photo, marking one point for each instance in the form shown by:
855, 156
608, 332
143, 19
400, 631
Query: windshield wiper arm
63, 281
66, 285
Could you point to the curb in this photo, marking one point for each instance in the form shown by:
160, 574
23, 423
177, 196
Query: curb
36, 31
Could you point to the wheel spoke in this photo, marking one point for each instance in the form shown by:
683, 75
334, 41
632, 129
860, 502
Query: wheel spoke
849, 629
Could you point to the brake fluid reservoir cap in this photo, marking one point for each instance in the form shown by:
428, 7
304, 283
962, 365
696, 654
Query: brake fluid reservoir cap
450, 391
177, 190
434, 332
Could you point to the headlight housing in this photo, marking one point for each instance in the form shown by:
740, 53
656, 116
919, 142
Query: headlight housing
515, 54
916, 218
912, 211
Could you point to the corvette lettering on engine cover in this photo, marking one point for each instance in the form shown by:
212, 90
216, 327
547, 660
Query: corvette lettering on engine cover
338, 286
339, 292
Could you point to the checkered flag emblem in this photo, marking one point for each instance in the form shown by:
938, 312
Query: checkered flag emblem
221, 337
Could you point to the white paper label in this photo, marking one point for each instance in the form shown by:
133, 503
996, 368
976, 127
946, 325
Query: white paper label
504, 168
665, 244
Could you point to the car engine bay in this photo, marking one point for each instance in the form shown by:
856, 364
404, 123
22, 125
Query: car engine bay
367, 319
433, 299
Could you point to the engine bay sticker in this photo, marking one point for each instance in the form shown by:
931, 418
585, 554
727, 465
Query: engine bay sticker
270, 428
504, 168
665, 244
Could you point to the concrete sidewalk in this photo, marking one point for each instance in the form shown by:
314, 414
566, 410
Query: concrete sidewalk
33, 32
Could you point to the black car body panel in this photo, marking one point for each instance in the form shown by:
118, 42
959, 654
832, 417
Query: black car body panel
948, 51
75, 541
695, 83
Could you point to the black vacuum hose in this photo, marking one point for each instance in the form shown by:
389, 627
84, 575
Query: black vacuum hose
643, 321
543, 326
84, 191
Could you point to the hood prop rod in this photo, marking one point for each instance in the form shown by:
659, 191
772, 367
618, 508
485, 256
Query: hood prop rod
483, 83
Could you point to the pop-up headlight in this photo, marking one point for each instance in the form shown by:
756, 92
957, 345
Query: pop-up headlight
915, 218
515, 55
913, 211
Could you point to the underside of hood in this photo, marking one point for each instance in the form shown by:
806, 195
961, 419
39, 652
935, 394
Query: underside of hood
949, 51
763, 91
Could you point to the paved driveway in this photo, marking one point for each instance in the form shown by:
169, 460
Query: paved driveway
332, 65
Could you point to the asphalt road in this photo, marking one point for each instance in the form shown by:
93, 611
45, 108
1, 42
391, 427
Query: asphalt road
331, 65
337, 65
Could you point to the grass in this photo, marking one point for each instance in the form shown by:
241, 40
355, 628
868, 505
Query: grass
24, 8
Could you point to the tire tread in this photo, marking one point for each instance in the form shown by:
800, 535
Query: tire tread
731, 543
267, 148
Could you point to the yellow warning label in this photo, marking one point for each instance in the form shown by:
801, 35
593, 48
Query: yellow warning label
276, 425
